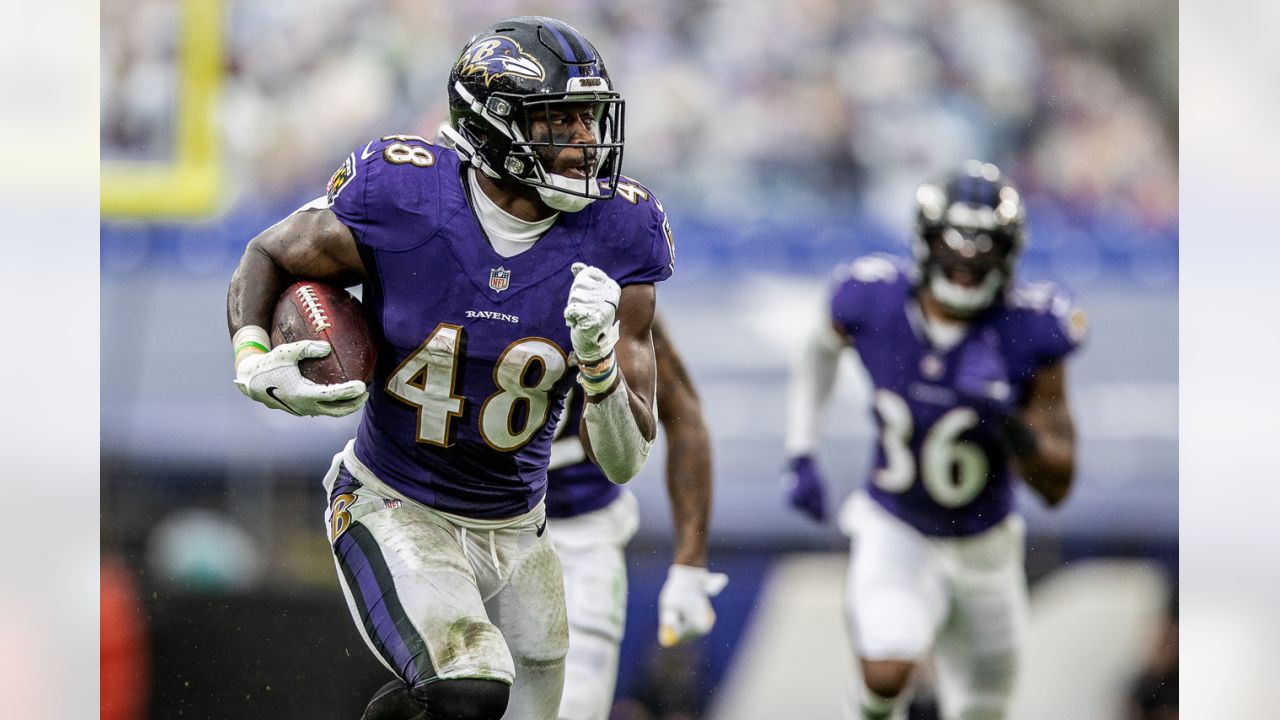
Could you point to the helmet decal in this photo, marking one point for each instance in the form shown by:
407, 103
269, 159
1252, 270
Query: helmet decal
503, 91
495, 56
577, 51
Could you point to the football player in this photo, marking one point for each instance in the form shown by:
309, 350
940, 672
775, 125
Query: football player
592, 519
969, 374
495, 272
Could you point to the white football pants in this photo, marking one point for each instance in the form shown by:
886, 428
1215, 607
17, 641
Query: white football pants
595, 581
963, 600
438, 596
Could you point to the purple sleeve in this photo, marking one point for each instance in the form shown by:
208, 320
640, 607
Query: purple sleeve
847, 304
382, 200
345, 193
631, 238
655, 258
1067, 328
1053, 319
855, 285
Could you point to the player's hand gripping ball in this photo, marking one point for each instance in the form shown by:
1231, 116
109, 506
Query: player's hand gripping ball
274, 380
590, 313
309, 310
302, 374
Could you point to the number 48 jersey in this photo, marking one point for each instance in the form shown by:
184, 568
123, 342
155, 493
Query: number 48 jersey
473, 351
941, 465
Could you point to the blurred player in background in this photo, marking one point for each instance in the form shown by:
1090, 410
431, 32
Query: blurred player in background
592, 519
489, 269
970, 392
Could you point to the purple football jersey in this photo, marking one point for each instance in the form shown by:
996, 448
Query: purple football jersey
940, 465
581, 487
473, 351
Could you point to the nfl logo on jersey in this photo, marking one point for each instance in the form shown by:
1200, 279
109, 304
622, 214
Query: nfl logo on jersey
499, 279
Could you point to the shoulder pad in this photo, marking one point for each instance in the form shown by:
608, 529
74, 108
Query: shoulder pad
413, 150
862, 290
877, 268
1051, 299
397, 180
635, 228
634, 192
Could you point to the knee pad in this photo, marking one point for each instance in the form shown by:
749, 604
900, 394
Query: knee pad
463, 699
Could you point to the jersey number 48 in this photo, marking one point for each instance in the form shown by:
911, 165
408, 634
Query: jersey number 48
427, 379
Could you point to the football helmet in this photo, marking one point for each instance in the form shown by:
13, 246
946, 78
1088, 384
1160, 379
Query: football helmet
970, 227
530, 101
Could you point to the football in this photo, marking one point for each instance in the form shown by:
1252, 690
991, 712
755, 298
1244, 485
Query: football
310, 310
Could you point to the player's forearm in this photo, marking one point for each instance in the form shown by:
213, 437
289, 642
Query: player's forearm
255, 287
813, 375
1050, 467
689, 488
635, 384
310, 244
642, 411
618, 418
613, 435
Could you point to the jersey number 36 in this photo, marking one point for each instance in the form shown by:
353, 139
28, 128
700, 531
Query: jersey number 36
953, 471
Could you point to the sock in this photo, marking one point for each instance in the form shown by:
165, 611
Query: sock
875, 707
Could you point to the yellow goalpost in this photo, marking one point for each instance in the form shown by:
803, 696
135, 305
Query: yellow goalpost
188, 185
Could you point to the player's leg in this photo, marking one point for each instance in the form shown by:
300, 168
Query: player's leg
393, 702
529, 610
441, 700
595, 581
977, 653
895, 602
414, 598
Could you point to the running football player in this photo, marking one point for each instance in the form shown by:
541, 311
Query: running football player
969, 374
495, 272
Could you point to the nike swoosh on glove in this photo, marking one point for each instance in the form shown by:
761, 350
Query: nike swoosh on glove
274, 380
590, 313
806, 491
684, 605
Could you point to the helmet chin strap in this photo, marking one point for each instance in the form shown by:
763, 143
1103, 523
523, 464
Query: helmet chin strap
961, 300
466, 150
557, 199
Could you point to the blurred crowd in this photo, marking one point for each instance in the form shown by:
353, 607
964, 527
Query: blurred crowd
753, 109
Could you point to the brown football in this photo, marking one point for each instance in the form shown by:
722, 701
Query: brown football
310, 310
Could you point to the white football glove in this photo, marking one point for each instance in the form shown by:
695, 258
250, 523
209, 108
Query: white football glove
273, 379
684, 605
593, 302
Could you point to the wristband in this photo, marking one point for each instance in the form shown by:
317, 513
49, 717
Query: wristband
250, 339
598, 378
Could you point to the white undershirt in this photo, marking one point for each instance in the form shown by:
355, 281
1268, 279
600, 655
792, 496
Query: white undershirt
944, 334
508, 234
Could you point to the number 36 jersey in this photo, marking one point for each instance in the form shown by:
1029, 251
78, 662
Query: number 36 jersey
473, 351
941, 465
